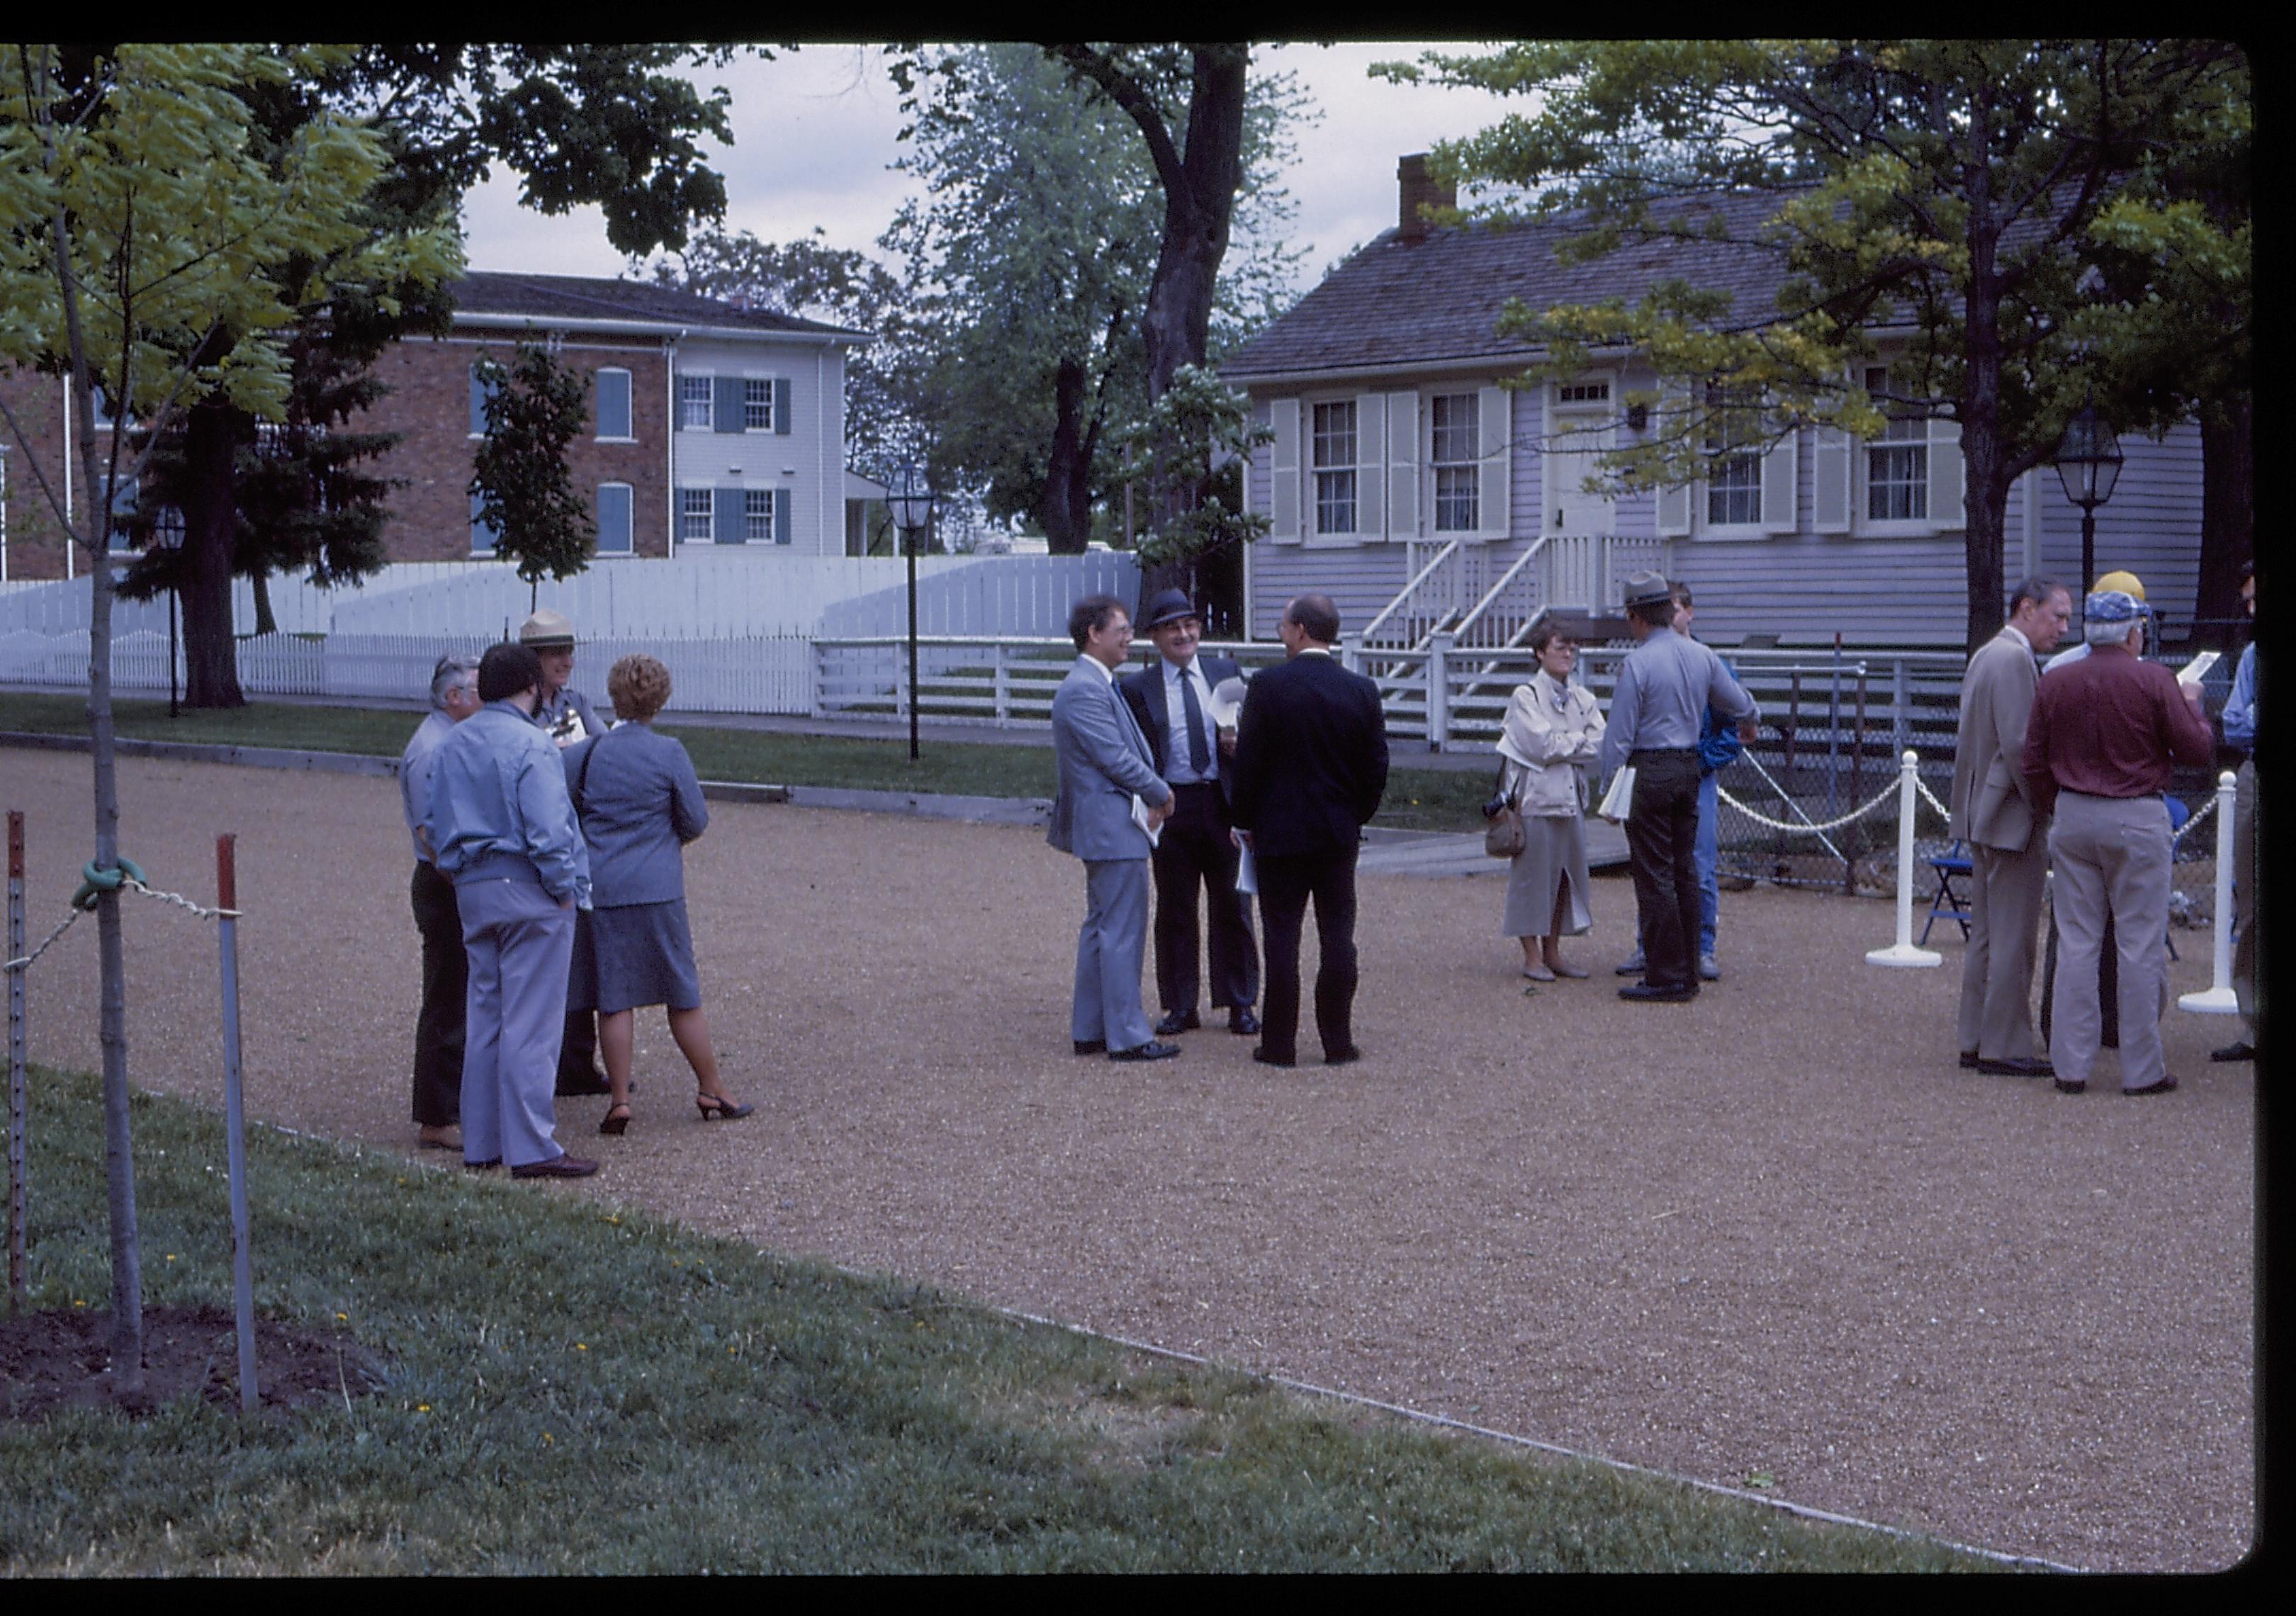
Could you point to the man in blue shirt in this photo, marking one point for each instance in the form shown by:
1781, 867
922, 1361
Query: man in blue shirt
1665, 687
2240, 731
439, 1023
503, 830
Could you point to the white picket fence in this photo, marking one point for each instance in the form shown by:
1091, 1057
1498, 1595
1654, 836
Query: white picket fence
1008, 596
757, 675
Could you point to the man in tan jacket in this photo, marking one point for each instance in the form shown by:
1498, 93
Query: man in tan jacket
2008, 844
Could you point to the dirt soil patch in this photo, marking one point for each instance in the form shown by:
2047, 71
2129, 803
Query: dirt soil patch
60, 1359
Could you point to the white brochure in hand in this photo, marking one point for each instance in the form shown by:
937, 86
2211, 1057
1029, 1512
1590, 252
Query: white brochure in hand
1619, 801
2197, 669
1154, 831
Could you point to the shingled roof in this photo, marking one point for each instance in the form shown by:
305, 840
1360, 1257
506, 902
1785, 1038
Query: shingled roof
542, 298
1406, 302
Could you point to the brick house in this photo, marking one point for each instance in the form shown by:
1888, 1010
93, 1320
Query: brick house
709, 424
1399, 456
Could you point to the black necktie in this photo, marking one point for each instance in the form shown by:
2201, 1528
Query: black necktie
1199, 758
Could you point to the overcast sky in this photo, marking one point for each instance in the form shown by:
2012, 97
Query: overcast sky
814, 132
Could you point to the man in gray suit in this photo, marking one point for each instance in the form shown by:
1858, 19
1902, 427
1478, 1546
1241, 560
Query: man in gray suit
1105, 764
1994, 813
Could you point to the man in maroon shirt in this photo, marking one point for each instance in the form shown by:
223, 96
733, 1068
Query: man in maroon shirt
2104, 733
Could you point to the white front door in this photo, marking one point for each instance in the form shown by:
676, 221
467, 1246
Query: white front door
1574, 441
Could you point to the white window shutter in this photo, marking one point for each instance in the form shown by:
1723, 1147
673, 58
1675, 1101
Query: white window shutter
1674, 512
1495, 429
1283, 471
1370, 466
1403, 465
1831, 479
1779, 515
1945, 492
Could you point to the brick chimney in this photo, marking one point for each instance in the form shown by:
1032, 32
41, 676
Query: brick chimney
1418, 188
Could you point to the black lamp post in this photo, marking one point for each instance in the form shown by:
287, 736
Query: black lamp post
2088, 462
910, 500
169, 532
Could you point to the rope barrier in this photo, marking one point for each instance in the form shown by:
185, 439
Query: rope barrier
25, 963
1812, 829
2203, 812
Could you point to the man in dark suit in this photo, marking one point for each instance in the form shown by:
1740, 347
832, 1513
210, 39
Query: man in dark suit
1172, 701
1310, 767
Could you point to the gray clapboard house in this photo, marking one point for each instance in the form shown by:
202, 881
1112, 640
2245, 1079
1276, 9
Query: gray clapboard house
1418, 492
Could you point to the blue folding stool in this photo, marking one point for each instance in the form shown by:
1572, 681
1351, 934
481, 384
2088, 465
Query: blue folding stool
1948, 902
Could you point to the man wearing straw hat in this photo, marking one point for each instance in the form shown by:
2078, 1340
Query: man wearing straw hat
2104, 735
566, 716
1657, 710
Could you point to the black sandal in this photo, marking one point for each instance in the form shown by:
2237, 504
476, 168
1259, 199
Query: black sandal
613, 1124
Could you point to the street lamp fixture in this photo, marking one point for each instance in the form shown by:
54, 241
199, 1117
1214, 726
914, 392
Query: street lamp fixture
910, 499
2088, 462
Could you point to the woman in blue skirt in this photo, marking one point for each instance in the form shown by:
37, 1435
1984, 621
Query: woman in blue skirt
640, 802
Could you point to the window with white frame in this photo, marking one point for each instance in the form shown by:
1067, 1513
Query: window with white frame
758, 404
1335, 467
693, 516
758, 512
1896, 463
693, 396
1733, 475
1456, 451
482, 536
614, 404
1583, 392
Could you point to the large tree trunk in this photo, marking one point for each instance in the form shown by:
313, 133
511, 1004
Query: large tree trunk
1197, 212
2228, 515
1066, 512
210, 520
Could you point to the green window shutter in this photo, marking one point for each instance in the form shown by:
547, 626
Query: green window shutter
1283, 471
483, 538
614, 404
478, 404
729, 519
780, 495
614, 518
781, 418
727, 406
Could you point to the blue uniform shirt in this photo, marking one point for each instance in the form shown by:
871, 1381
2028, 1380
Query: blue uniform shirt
2240, 707
1665, 688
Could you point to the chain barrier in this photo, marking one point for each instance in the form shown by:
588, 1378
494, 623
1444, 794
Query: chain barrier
127, 876
2203, 812
1930, 797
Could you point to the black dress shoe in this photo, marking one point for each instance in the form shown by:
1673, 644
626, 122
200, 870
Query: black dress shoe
1969, 1060
1651, 993
2242, 1051
1242, 1023
480, 1167
1090, 1046
557, 1167
1344, 1057
1149, 1051
1175, 1023
2165, 1085
578, 1085
2017, 1067
2072, 1085
1265, 1058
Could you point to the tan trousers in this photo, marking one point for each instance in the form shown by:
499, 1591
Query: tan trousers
1997, 965
2112, 856
2243, 897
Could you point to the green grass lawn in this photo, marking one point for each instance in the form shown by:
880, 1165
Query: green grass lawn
1417, 799
572, 1387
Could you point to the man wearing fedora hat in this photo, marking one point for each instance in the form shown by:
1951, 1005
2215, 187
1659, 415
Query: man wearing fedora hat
1172, 701
565, 714
1665, 686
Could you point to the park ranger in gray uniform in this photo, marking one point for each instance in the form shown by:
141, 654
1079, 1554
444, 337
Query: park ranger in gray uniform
565, 714
1665, 686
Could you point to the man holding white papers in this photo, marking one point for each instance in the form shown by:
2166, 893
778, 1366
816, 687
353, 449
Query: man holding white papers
1106, 767
1665, 686
1174, 700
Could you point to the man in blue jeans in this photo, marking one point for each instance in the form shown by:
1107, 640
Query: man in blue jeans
1719, 742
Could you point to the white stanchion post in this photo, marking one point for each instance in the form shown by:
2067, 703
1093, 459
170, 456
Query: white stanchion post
1902, 952
2219, 999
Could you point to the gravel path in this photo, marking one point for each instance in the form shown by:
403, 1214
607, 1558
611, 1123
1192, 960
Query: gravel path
1777, 1233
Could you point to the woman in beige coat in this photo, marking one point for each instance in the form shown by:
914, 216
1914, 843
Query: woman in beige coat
1553, 729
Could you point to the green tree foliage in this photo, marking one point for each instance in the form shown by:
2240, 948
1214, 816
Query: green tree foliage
884, 422
1032, 265
536, 407
1186, 459
612, 124
144, 223
1950, 189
